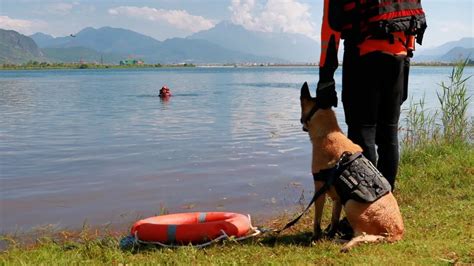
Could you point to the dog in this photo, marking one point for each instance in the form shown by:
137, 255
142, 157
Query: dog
376, 221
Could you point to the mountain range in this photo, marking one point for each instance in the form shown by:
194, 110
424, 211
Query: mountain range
17, 48
288, 46
448, 52
225, 43
116, 42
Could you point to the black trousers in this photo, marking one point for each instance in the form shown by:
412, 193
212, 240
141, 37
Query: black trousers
373, 88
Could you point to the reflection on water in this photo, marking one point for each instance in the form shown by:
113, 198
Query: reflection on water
96, 145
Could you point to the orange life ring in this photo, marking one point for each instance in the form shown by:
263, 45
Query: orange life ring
194, 228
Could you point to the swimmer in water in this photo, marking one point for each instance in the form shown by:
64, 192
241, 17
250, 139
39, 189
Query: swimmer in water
165, 92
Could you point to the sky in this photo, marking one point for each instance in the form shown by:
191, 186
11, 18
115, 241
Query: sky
448, 20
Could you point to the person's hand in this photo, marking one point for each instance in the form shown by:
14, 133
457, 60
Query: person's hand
326, 95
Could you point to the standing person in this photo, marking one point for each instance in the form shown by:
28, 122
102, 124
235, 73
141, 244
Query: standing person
379, 39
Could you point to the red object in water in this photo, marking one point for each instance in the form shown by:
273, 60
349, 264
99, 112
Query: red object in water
165, 92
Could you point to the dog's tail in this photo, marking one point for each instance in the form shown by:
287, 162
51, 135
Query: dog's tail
364, 238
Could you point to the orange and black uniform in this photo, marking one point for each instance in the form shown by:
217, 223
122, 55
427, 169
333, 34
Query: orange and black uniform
374, 85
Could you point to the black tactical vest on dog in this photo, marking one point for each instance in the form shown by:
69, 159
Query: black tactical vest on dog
356, 178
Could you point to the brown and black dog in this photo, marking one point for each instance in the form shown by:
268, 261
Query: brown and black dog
372, 222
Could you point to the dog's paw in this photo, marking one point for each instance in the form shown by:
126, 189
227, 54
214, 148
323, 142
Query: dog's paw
330, 232
345, 249
317, 235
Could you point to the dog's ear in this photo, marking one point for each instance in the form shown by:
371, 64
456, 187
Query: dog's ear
305, 94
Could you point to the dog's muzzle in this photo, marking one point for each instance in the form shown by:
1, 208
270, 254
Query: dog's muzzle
304, 128
304, 120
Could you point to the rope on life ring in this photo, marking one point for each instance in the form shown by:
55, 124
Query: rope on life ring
134, 240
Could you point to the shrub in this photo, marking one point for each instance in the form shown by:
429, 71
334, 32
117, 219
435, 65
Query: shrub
454, 102
421, 127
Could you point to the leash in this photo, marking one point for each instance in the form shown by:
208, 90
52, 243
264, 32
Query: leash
330, 174
133, 240
316, 195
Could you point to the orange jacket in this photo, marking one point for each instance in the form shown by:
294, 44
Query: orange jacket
398, 47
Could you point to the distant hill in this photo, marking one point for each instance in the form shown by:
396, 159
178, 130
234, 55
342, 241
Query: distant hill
457, 53
77, 54
467, 42
200, 51
287, 46
444, 52
17, 48
106, 39
45, 40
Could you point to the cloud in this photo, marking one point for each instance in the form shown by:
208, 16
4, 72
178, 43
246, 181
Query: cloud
23, 26
61, 8
450, 26
180, 19
274, 16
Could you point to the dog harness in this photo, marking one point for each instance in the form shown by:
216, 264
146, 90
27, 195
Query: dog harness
355, 177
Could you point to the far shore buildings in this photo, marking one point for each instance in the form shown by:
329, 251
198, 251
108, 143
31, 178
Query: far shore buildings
128, 62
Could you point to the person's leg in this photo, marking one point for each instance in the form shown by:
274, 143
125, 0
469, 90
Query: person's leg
387, 149
364, 136
392, 94
360, 98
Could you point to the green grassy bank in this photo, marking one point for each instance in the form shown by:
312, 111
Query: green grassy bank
33, 65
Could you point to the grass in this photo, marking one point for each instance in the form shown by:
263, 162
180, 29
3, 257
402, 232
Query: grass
454, 102
434, 190
448, 124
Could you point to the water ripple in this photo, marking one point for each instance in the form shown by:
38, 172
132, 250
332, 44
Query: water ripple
97, 142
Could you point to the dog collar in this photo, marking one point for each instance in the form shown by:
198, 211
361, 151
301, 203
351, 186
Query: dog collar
310, 114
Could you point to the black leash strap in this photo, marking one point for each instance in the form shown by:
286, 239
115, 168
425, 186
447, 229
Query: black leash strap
346, 156
317, 194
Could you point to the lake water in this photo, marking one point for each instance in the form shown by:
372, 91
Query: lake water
100, 146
